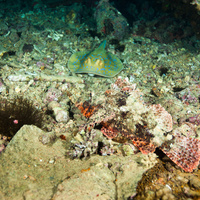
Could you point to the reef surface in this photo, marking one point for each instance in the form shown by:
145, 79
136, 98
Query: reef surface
132, 135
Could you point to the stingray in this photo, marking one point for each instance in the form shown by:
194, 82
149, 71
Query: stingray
99, 62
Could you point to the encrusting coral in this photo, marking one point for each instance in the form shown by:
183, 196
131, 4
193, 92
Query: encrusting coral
123, 116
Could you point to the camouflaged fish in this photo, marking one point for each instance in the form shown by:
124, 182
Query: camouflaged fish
124, 117
98, 61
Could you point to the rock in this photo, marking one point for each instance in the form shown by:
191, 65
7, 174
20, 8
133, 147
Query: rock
93, 183
25, 167
32, 170
60, 114
194, 182
110, 21
124, 179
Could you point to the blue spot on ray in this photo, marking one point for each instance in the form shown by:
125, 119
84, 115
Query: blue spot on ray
94, 62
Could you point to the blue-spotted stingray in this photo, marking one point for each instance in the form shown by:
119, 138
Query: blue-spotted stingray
98, 61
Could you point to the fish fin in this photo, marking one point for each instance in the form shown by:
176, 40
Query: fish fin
183, 151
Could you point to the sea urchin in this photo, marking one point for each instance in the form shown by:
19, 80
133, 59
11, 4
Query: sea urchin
16, 112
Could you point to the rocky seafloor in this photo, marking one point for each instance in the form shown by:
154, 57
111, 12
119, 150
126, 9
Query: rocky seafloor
73, 154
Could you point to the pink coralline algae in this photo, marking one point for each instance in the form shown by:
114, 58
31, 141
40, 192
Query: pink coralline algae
195, 120
123, 116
